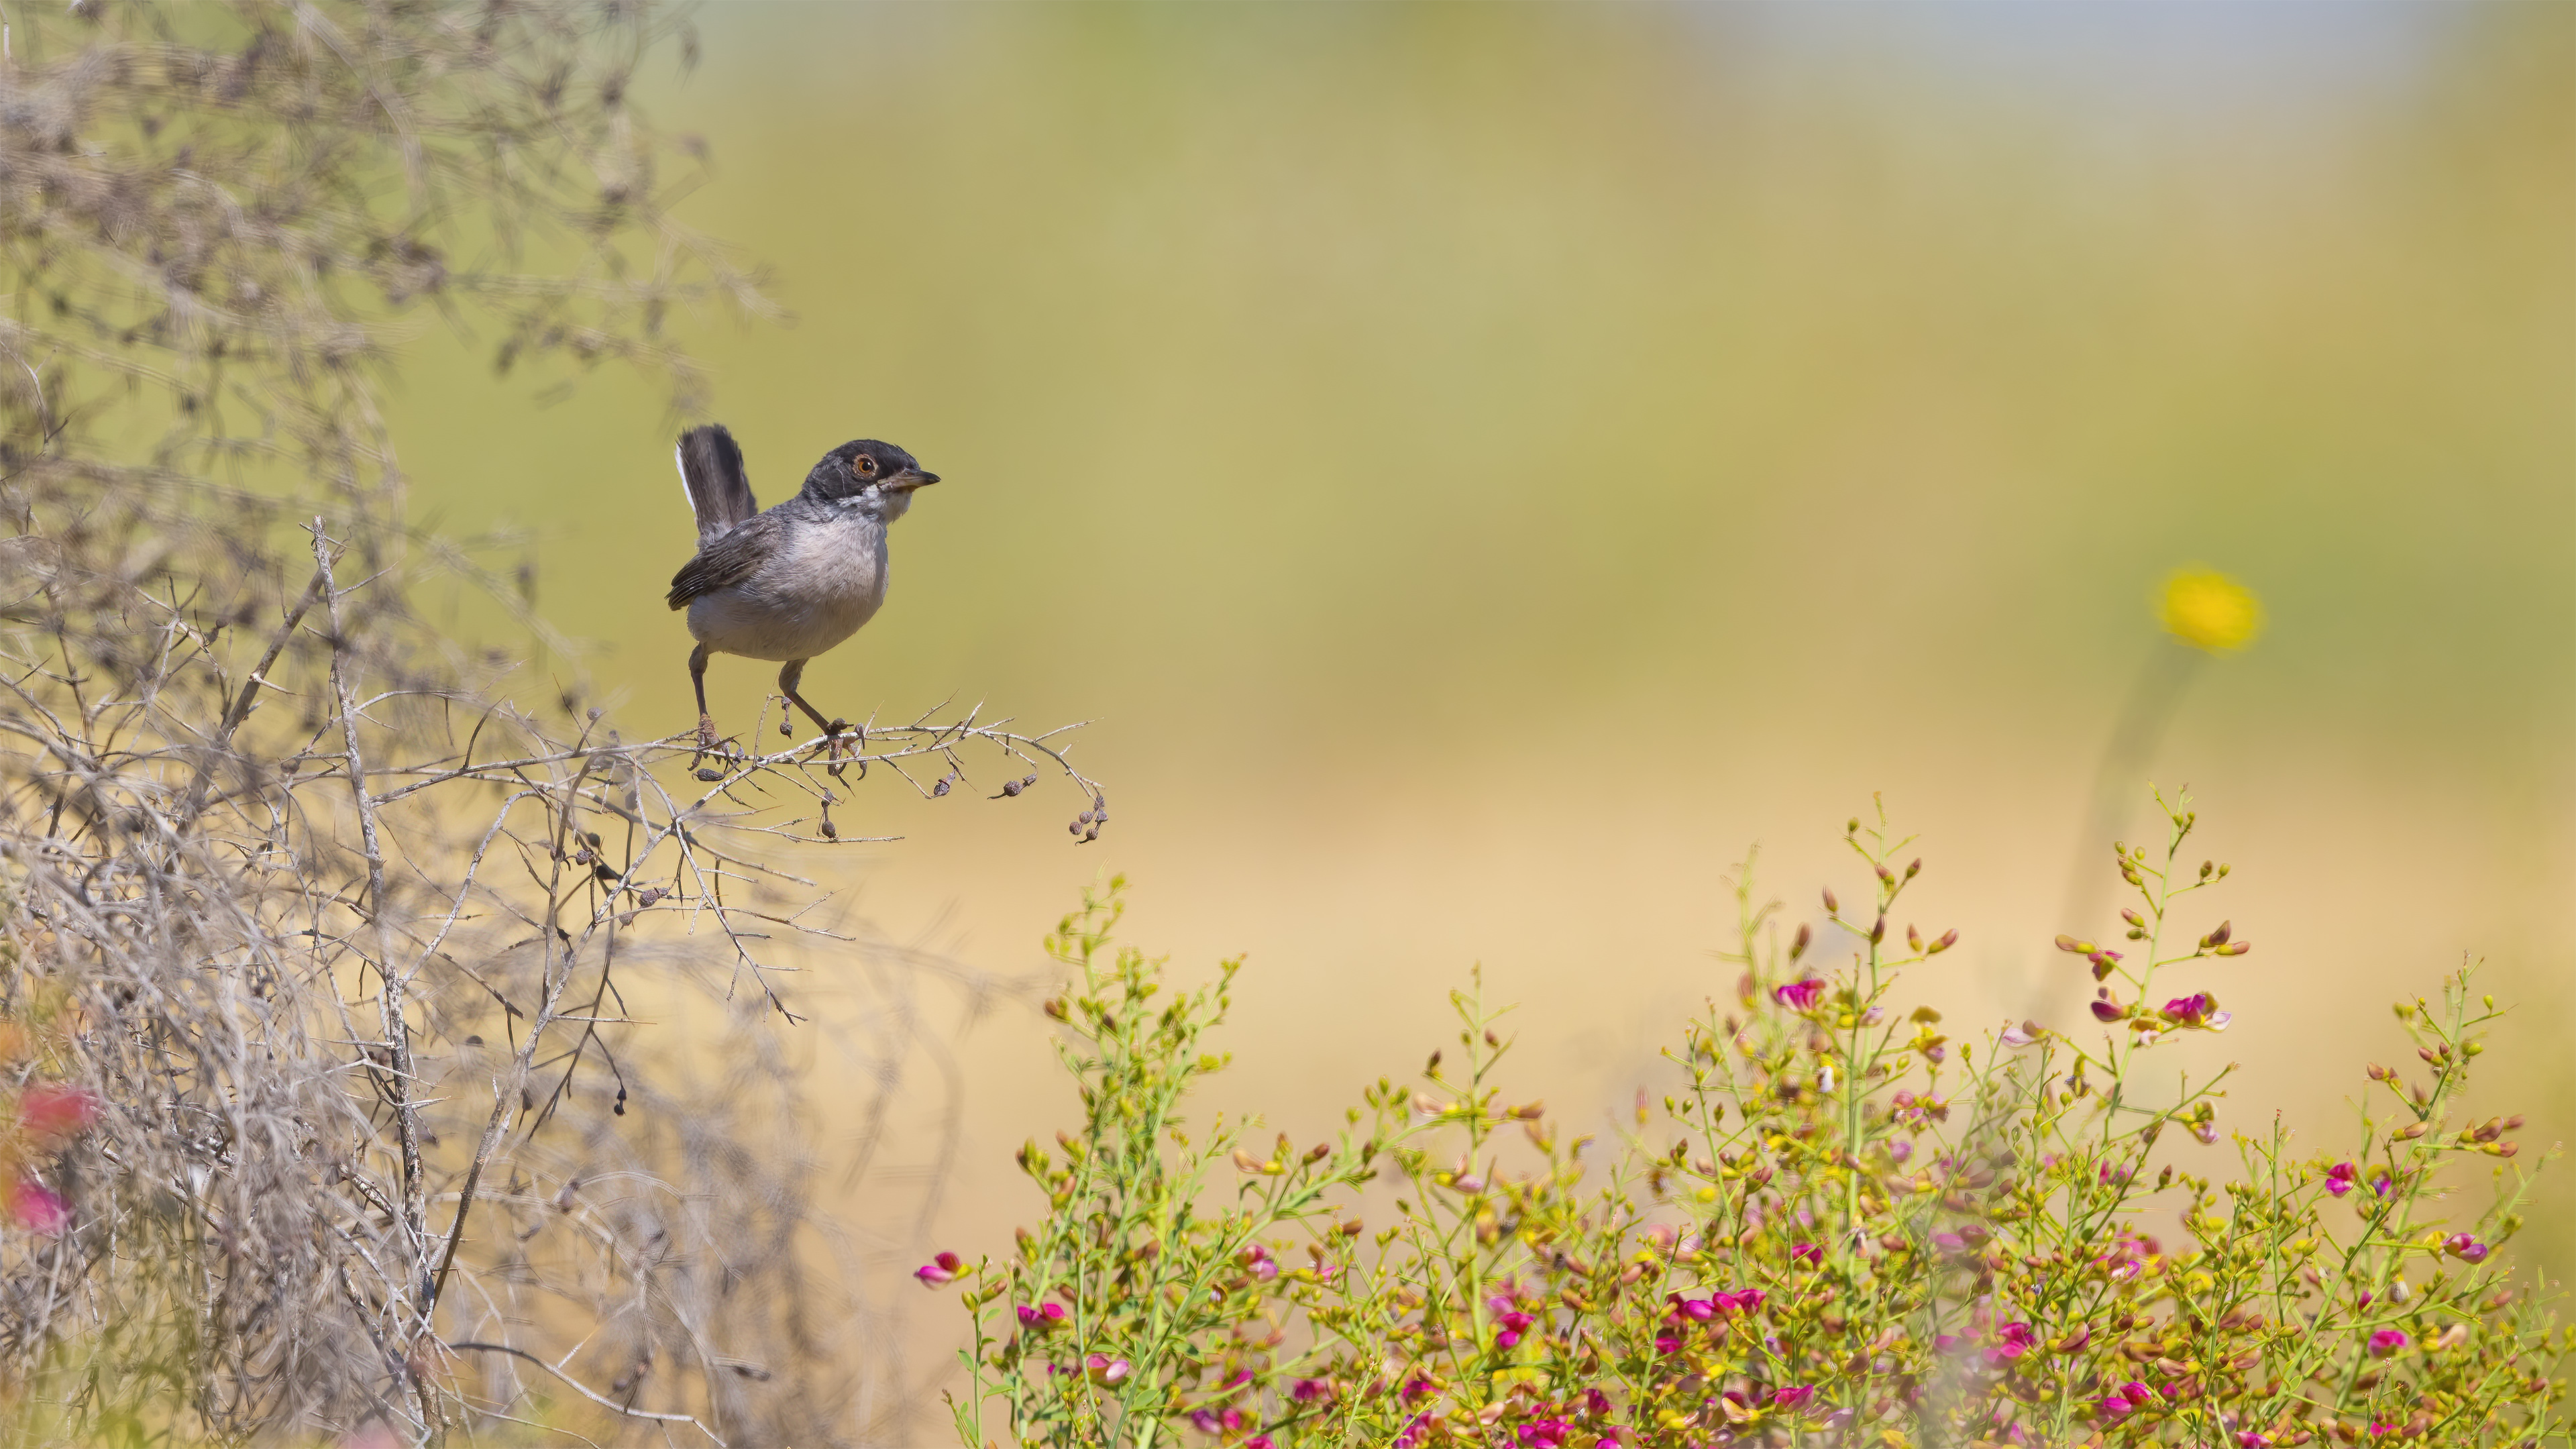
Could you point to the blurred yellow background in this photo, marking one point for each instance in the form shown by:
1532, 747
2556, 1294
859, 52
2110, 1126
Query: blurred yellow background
1484, 467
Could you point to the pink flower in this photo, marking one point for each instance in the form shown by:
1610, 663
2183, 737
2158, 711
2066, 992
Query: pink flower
1799, 995
2011, 1342
1666, 1343
2126, 1397
2387, 1341
2339, 1178
2200, 1010
1595, 1402
2252, 1439
1790, 1400
1311, 1391
2108, 1010
1545, 1434
52, 1114
1041, 1317
37, 1208
1806, 1253
1697, 1310
2022, 1035
1203, 1420
1257, 1441
939, 1272
1512, 1327
1744, 1301
2466, 1248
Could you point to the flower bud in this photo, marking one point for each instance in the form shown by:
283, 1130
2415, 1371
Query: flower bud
1832, 906
1878, 929
1948, 939
1798, 943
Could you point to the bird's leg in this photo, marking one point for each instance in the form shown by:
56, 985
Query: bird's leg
698, 681
787, 678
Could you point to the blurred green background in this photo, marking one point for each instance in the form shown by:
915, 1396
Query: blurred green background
1483, 467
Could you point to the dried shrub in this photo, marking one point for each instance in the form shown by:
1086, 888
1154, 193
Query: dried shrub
325, 968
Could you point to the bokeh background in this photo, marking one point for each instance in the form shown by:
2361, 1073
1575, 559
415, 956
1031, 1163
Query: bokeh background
1484, 468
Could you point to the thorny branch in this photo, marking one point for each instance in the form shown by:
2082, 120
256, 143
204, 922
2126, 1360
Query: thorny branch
250, 798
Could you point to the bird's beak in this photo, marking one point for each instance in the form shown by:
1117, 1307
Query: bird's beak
911, 478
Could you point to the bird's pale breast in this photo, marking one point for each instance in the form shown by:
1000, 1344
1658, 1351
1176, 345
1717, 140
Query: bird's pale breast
816, 592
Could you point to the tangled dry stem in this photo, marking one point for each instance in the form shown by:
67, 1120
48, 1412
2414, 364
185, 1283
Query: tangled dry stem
442, 1043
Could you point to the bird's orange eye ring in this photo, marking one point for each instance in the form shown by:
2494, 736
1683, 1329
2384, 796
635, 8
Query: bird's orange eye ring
863, 465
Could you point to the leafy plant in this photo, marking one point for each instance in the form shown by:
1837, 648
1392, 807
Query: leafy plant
1845, 1228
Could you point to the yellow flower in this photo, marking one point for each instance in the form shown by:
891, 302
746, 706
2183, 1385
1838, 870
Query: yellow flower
2209, 610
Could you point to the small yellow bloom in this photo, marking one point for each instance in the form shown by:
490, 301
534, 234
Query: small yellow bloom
2209, 610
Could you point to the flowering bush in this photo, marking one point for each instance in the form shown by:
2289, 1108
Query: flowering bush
1846, 1229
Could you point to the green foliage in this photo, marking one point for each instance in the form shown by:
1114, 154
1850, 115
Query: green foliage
1847, 1228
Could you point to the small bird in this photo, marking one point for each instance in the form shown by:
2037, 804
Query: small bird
792, 582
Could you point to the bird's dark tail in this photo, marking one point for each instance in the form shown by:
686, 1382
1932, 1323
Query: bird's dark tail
711, 473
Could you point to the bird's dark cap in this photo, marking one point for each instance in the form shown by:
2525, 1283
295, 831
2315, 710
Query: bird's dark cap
854, 466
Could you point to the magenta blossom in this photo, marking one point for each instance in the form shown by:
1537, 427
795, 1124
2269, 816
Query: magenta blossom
38, 1208
1799, 995
2011, 1342
2387, 1341
1103, 1369
1040, 1316
2127, 1397
52, 1113
1257, 1441
2466, 1248
1512, 1327
1311, 1391
1790, 1400
939, 1272
2199, 1010
2339, 1178
1545, 1434
1806, 1253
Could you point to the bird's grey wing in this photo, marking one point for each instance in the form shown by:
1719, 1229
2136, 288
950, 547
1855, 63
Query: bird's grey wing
711, 473
727, 559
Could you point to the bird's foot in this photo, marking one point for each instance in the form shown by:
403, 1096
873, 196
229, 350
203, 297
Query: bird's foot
833, 734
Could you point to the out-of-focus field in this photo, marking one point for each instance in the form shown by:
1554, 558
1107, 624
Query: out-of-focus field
1484, 467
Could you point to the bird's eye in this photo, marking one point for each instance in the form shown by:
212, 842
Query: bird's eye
865, 464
